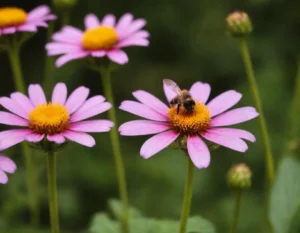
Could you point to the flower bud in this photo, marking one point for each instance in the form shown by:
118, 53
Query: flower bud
239, 24
239, 177
64, 4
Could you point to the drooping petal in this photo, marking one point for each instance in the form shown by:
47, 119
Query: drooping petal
12, 119
76, 99
34, 137
12, 137
118, 56
142, 127
234, 116
9, 30
142, 110
92, 126
200, 91
36, 94
109, 20
229, 132
27, 28
38, 12
80, 137
101, 53
69, 57
57, 138
23, 101
198, 151
82, 114
158, 143
59, 94
14, 107
151, 101
7, 164
223, 102
3, 177
233, 143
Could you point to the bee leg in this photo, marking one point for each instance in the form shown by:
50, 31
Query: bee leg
178, 108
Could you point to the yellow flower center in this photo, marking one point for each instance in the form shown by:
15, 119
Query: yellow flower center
49, 118
195, 122
99, 38
12, 16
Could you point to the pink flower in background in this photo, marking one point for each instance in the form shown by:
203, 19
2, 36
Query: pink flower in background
62, 118
207, 121
13, 19
6, 165
100, 39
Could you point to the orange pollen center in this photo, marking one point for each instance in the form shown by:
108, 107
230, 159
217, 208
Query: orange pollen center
195, 122
100, 38
12, 16
49, 118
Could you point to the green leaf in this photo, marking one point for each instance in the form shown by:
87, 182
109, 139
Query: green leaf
285, 196
115, 207
102, 224
197, 224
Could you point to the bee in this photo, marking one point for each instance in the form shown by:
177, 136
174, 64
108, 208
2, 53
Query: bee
183, 97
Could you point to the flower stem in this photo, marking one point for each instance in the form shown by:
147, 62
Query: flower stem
236, 212
255, 94
51, 162
31, 175
188, 191
114, 136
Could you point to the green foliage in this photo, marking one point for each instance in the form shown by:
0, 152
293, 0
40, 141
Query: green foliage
285, 198
115, 207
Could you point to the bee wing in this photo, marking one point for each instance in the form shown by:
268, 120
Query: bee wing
172, 86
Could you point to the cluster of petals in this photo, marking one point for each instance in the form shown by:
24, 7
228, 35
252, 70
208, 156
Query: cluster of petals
68, 41
35, 18
78, 106
156, 113
6, 165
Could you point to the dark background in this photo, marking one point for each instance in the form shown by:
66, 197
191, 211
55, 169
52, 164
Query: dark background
188, 43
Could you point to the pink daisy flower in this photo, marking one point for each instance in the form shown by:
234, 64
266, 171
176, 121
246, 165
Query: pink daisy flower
13, 19
6, 165
205, 122
100, 39
62, 118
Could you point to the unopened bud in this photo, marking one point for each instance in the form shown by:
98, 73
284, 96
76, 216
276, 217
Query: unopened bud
239, 177
64, 4
239, 24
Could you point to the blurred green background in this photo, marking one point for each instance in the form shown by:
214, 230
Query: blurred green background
188, 43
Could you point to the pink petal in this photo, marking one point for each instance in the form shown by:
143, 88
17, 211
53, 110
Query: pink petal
123, 24
27, 28
59, 94
200, 91
142, 127
84, 113
3, 177
14, 107
223, 102
157, 143
91, 21
92, 102
12, 137
63, 47
69, 57
142, 111
235, 116
36, 94
151, 101
92, 126
34, 137
7, 164
98, 53
229, 132
169, 93
57, 138
77, 98
118, 56
69, 37
109, 20
138, 39
23, 101
230, 142
135, 26
198, 151
12, 119
38, 12
79, 137
9, 30
72, 32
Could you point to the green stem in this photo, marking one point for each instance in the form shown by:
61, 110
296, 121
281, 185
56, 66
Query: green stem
263, 127
51, 162
31, 176
65, 18
236, 212
188, 191
114, 136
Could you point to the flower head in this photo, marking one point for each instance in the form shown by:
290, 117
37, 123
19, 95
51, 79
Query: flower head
239, 177
6, 165
60, 119
206, 121
100, 39
13, 19
239, 24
